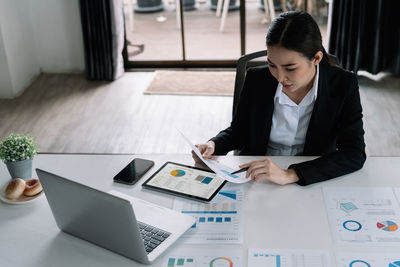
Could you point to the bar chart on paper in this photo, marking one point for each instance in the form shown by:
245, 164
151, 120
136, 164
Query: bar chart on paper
287, 258
181, 261
217, 222
228, 193
203, 257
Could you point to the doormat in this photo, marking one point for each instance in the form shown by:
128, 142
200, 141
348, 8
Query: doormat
210, 83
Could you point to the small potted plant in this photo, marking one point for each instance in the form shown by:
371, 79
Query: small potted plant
17, 152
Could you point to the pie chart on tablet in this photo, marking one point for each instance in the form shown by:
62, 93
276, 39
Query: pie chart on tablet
178, 173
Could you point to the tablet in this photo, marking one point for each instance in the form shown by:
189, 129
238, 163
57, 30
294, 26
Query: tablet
185, 181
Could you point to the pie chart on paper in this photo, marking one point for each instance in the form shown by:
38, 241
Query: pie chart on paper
388, 226
395, 264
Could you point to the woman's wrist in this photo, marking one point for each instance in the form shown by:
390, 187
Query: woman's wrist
291, 176
211, 143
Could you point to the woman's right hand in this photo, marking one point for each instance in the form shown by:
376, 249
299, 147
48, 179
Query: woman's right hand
206, 150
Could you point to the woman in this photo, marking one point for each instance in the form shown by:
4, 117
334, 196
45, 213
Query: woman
299, 104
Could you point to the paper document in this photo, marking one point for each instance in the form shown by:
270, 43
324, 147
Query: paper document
203, 257
220, 169
367, 259
397, 193
220, 221
287, 258
363, 215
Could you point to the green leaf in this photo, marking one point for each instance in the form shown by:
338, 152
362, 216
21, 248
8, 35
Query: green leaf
17, 147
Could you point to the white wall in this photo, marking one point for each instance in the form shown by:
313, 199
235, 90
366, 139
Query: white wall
38, 36
19, 45
58, 35
5, 79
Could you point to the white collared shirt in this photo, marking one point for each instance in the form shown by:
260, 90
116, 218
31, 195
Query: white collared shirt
290, 122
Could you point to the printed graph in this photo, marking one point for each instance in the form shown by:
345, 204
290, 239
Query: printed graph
219, 221
269, 259
363, 215
172, 262
348, 207
221, 261
215, 219
359, 263
228, 193
387, 226
287, 258
367, 259
212, 218
203, 257
352, 225
229, 174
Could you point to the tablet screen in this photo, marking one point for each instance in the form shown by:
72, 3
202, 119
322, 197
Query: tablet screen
186, 181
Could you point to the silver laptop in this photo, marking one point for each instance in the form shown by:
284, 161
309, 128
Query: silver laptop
128, 226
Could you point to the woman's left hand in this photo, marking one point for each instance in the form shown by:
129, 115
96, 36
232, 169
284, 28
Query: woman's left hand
266, 169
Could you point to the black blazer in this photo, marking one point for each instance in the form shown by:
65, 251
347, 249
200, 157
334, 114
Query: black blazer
335, 132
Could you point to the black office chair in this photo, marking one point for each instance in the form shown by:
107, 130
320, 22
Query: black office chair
241, 69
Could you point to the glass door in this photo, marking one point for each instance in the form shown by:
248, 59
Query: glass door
207, 33
259, 14
212, 30
152, 33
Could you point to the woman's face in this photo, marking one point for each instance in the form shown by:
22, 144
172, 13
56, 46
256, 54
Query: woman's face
293, 70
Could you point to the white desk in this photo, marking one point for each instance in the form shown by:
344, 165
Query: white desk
289, 216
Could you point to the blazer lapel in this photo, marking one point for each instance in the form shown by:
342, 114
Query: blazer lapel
268, 111
320, 111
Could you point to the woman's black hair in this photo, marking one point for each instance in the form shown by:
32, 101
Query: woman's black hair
298, 31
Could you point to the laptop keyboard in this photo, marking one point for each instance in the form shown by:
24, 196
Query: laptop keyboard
152, 236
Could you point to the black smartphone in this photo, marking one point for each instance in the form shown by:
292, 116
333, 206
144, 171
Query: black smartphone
134, 171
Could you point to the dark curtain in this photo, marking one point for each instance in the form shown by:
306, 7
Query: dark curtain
365, 35
97, 36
